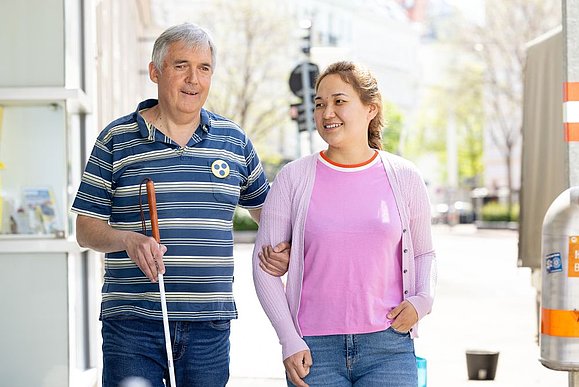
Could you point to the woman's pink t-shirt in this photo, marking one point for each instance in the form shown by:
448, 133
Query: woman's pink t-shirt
352, 268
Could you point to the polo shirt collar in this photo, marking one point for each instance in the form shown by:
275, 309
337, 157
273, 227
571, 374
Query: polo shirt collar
147, 130
205, 121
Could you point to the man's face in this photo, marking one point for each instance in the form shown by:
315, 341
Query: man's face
185, 79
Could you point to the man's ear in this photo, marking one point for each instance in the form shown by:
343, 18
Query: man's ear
153, 73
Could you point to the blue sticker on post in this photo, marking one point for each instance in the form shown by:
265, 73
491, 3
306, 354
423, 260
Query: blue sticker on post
553, 263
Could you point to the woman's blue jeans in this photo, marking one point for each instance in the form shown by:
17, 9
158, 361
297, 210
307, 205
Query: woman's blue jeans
135, 347
384, 359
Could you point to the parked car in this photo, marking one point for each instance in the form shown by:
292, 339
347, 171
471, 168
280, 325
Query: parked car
465, 211
439, 213
461, 212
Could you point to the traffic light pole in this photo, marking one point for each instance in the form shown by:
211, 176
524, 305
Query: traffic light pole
571, 100
307, 100
571, 104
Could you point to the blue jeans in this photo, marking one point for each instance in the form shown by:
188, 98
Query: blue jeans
135, 347
384, 359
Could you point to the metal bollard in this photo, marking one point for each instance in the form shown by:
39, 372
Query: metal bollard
560, 285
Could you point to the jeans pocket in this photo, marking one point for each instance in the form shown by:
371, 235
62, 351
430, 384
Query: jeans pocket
220, 325
398, 332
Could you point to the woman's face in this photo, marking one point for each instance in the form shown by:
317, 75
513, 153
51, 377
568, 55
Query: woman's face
341, 118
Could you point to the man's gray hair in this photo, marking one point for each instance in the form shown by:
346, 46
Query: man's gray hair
192, 35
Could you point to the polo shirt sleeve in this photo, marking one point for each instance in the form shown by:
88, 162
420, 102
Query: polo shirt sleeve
254, 191
94, 196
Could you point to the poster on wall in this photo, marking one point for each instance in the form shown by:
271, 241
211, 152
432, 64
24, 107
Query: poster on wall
38, 213
33, 183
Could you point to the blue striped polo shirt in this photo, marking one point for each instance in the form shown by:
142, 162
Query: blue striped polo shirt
198, 187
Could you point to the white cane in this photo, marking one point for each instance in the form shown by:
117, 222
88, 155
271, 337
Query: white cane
155, 230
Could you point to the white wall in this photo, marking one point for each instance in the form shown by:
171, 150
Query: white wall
373, 33
123, 54
32, 43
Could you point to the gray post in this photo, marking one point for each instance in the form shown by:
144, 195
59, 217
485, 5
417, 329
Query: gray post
571, 73
298, 144
307, 96
453, 217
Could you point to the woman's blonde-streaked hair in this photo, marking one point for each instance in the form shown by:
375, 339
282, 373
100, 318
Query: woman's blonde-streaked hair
366, 86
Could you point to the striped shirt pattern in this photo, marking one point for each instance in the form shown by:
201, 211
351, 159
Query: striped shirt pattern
197, 187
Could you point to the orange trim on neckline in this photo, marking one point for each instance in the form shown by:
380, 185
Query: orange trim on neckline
349, 165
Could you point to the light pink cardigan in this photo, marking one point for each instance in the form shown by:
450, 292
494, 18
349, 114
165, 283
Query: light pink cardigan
283, 218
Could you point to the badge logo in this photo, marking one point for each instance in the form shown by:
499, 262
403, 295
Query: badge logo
220, 169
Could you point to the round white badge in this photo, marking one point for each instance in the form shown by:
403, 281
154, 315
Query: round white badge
220, 169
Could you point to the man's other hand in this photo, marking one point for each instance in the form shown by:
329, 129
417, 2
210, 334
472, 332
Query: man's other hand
275, 260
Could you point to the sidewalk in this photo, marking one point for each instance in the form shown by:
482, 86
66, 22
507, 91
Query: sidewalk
255, 353
483, 301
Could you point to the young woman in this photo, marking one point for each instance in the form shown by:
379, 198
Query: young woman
361, 272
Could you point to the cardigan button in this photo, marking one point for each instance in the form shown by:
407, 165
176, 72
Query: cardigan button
405, 270
403, 230
405, 250
406, 292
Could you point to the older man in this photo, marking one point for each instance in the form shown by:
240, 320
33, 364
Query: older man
203, 166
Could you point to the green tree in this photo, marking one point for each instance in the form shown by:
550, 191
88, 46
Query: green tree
429, 133
393, 129
460, 101
469, 118
255, 43
501, 47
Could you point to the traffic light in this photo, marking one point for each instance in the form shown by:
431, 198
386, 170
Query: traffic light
298, 114
306, 40
301, 82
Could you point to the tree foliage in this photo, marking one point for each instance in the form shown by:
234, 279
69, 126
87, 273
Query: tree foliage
255, 44
469, 118
483, 89
457, 103
392, 131
501, 42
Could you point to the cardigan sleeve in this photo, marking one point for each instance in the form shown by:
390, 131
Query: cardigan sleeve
424, 256
275, 227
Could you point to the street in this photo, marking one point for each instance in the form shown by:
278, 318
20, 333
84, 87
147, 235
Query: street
483, 302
